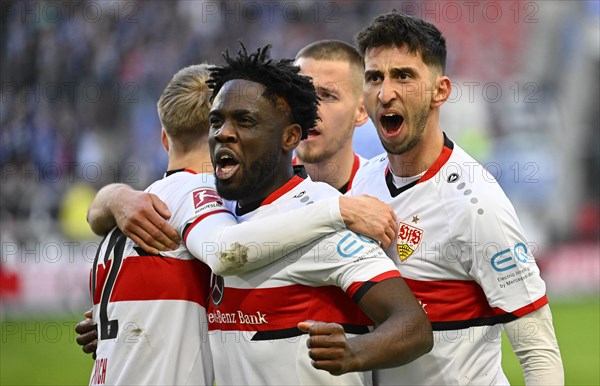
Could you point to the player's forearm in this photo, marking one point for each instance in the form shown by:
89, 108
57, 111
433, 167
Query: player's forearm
534, 342
399, 340
237, 248
99, 215
403, 333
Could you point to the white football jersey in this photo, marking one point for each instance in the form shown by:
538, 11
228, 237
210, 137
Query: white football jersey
461, 250
151, 310
252, 318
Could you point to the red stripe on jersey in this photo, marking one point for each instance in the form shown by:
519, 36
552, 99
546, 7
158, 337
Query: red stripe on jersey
355, 167
437, 164
198, 219
269, 309
101, 274
291, 184
435, 167
294, 160
354, 287
459, 300
530, 307
190, 171
157, 278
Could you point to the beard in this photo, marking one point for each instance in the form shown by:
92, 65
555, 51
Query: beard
413, 138
255, 178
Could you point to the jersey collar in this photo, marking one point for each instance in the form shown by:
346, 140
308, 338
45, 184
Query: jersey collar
355, 167
170, 172
299, 176
348, 185
432, 171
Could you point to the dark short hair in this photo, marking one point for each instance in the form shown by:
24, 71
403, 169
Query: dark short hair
397, 29
281, 79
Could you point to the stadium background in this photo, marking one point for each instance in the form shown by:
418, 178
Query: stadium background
79, 84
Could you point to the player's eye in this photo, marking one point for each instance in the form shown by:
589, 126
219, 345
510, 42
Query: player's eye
373, 78
328, 97
215, 122
246, 121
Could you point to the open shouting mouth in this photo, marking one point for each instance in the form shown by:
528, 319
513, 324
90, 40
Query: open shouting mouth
313, 132
391, 122
226, 164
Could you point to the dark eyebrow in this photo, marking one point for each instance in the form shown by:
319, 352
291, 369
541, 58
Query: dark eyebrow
369, 73
395, 72
235, 113
241, 112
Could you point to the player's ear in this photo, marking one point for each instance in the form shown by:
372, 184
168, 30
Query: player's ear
361, 115
164, 139
292, 135
442, 90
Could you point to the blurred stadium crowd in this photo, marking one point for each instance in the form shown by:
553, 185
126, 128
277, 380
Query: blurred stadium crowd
80, 81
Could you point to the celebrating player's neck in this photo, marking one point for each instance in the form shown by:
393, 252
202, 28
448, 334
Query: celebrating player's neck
420, 157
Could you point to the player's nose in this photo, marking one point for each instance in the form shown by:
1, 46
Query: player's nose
226, 133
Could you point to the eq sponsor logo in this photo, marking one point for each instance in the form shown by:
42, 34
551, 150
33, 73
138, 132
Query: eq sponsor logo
508, 258
352, 244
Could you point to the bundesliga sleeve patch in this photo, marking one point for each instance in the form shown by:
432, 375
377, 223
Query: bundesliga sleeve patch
205, 199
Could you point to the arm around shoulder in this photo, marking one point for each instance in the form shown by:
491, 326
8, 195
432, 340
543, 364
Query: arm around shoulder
140, 215
99, 215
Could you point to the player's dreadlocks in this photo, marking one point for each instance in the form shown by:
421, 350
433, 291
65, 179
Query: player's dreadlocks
280, 79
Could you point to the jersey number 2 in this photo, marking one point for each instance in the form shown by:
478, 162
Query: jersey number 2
109, 329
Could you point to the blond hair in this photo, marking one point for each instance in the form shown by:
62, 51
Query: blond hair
184, 105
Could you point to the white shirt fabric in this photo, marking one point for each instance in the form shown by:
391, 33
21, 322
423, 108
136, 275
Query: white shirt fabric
159, 302
462, 251
151, 310
252, 317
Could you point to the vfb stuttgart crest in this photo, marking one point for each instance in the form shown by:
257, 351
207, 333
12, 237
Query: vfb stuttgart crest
409, 238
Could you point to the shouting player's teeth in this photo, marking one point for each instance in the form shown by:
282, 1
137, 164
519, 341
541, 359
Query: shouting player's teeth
391, 122
226, 165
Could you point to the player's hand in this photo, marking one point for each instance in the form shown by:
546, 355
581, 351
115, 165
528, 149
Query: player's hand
328, 347
88, 334
142, 217
369, 216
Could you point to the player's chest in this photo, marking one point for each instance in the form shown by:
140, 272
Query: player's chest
424, 246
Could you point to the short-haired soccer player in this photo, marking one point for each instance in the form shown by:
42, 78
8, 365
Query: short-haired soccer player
150, 307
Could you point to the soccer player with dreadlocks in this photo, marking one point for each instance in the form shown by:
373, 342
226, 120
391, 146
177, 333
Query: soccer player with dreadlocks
256, 321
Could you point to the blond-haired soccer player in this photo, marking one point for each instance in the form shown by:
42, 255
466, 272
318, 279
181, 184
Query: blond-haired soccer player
149, 306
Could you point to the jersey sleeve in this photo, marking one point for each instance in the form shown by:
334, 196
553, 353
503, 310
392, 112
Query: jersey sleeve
346, 260
228, 248
499, 258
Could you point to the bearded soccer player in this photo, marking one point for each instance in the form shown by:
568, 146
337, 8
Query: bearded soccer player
460, 246
336, 69
149, 306
261, 111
